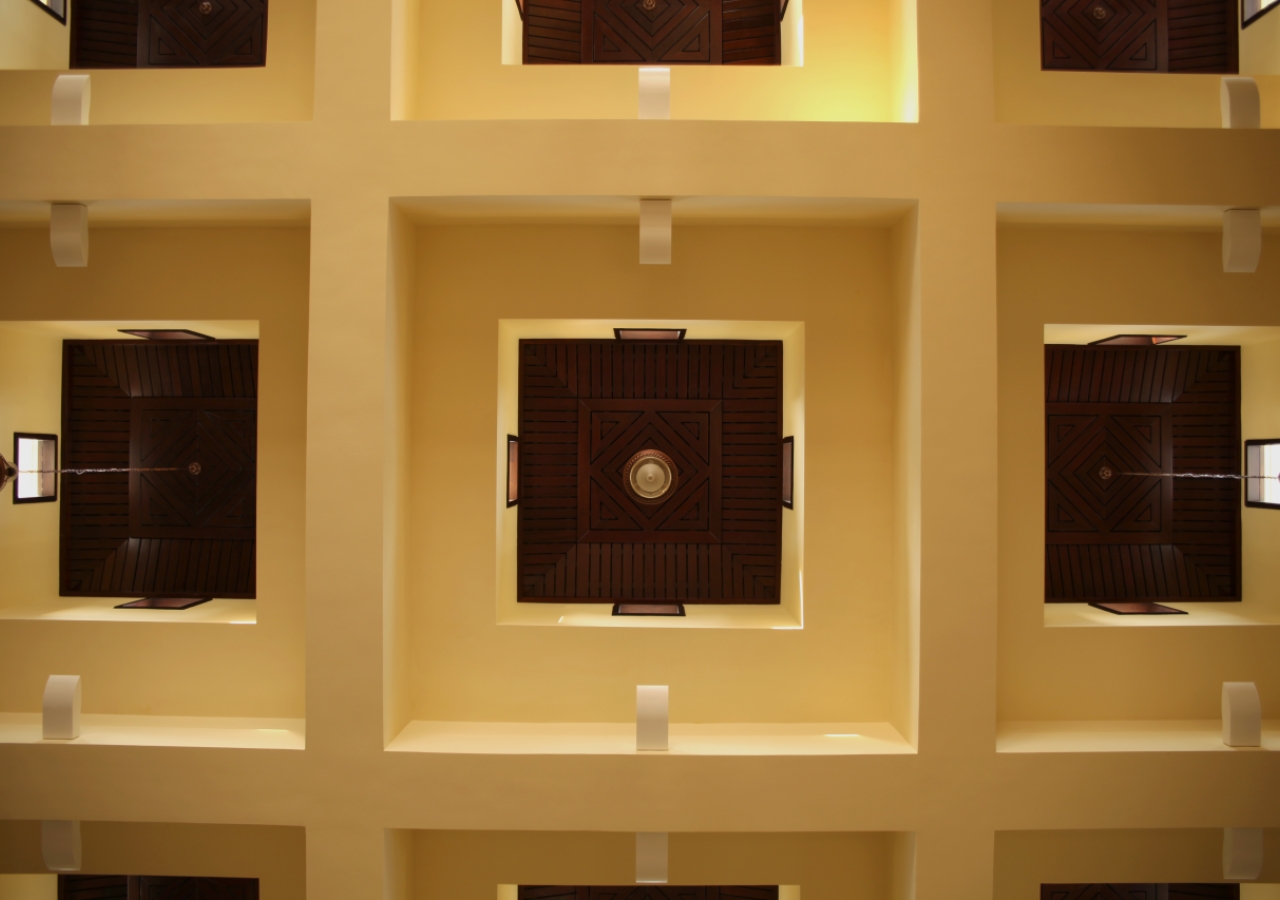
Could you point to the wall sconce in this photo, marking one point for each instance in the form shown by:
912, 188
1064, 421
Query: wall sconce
788, 472
513, 470
1262, 473
35, 467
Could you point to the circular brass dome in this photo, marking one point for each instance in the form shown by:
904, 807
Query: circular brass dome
649, 476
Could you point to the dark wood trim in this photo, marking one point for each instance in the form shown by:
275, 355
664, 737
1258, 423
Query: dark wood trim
164, 603
649, 334
42, 437
513, 470
1162, 35
1245, 23
1257, 442
788, 472
166, 334
520, 9
1136, 340
648, 609
783, 13
1137, 608
61, 18
588, 31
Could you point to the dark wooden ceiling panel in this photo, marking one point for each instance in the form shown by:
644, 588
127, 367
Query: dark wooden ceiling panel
713, 408
159, 405
1120, 422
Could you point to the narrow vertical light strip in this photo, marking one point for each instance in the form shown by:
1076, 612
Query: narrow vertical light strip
513, 470
651, 857
655, 232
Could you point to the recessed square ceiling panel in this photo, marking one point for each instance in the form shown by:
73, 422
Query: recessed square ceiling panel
650, 470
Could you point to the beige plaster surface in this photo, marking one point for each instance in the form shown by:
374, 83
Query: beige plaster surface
960, 585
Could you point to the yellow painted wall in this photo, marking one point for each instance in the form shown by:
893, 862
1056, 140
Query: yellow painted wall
1027, 859
1260, 418
838, 281
280, 91
1260, 46
1068, 275
141, 273
30, 38
1027, 95
28, 887
275, 855
859, 65
468, 865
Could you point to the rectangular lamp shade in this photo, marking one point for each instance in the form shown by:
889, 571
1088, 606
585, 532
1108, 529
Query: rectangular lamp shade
1241, 240
1262, 469
655, 232
1241, 853
60, 845
655, 92
69, 234
62, 708
70, 102
36, 458
1241, 105
651, 857
651, 716
1241, 714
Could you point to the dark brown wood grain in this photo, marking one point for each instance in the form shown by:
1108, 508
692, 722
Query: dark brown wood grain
714, 407
656, 32
104, 34
155, 887
157, 404
201, 33
1162, 891
1119, 421
1139, 35
648, 892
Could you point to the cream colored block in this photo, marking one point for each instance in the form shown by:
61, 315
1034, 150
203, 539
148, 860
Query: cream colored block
655, 232
1241, 240
1241, 853
655, 92
1241, 714
70, 104
62, 708
60, 845
1241, 106
651, 717
651, 856
69, 234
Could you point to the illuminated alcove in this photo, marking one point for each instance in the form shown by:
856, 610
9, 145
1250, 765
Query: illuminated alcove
1024, 860
841, 62
468, 672
137, 251
35, 47
427, 865
1066, 274
273, 854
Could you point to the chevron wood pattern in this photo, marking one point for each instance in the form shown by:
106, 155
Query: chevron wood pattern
1139, 891
1139, 35
660, 32
1117, 421
131, 404
586, 407
648, 892
202, 33
104, 34
153, 887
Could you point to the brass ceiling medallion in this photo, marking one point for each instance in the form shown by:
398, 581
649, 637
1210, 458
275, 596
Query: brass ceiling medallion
649, 476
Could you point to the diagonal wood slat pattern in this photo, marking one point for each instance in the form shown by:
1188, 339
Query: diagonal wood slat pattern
1157, 411
144, 404
714, 407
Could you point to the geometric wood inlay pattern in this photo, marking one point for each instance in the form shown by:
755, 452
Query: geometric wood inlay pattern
648, 892
660, 32
1118, 422
1139, 891
713, 407
159, 404
1139, 35
202, 33
155, 887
